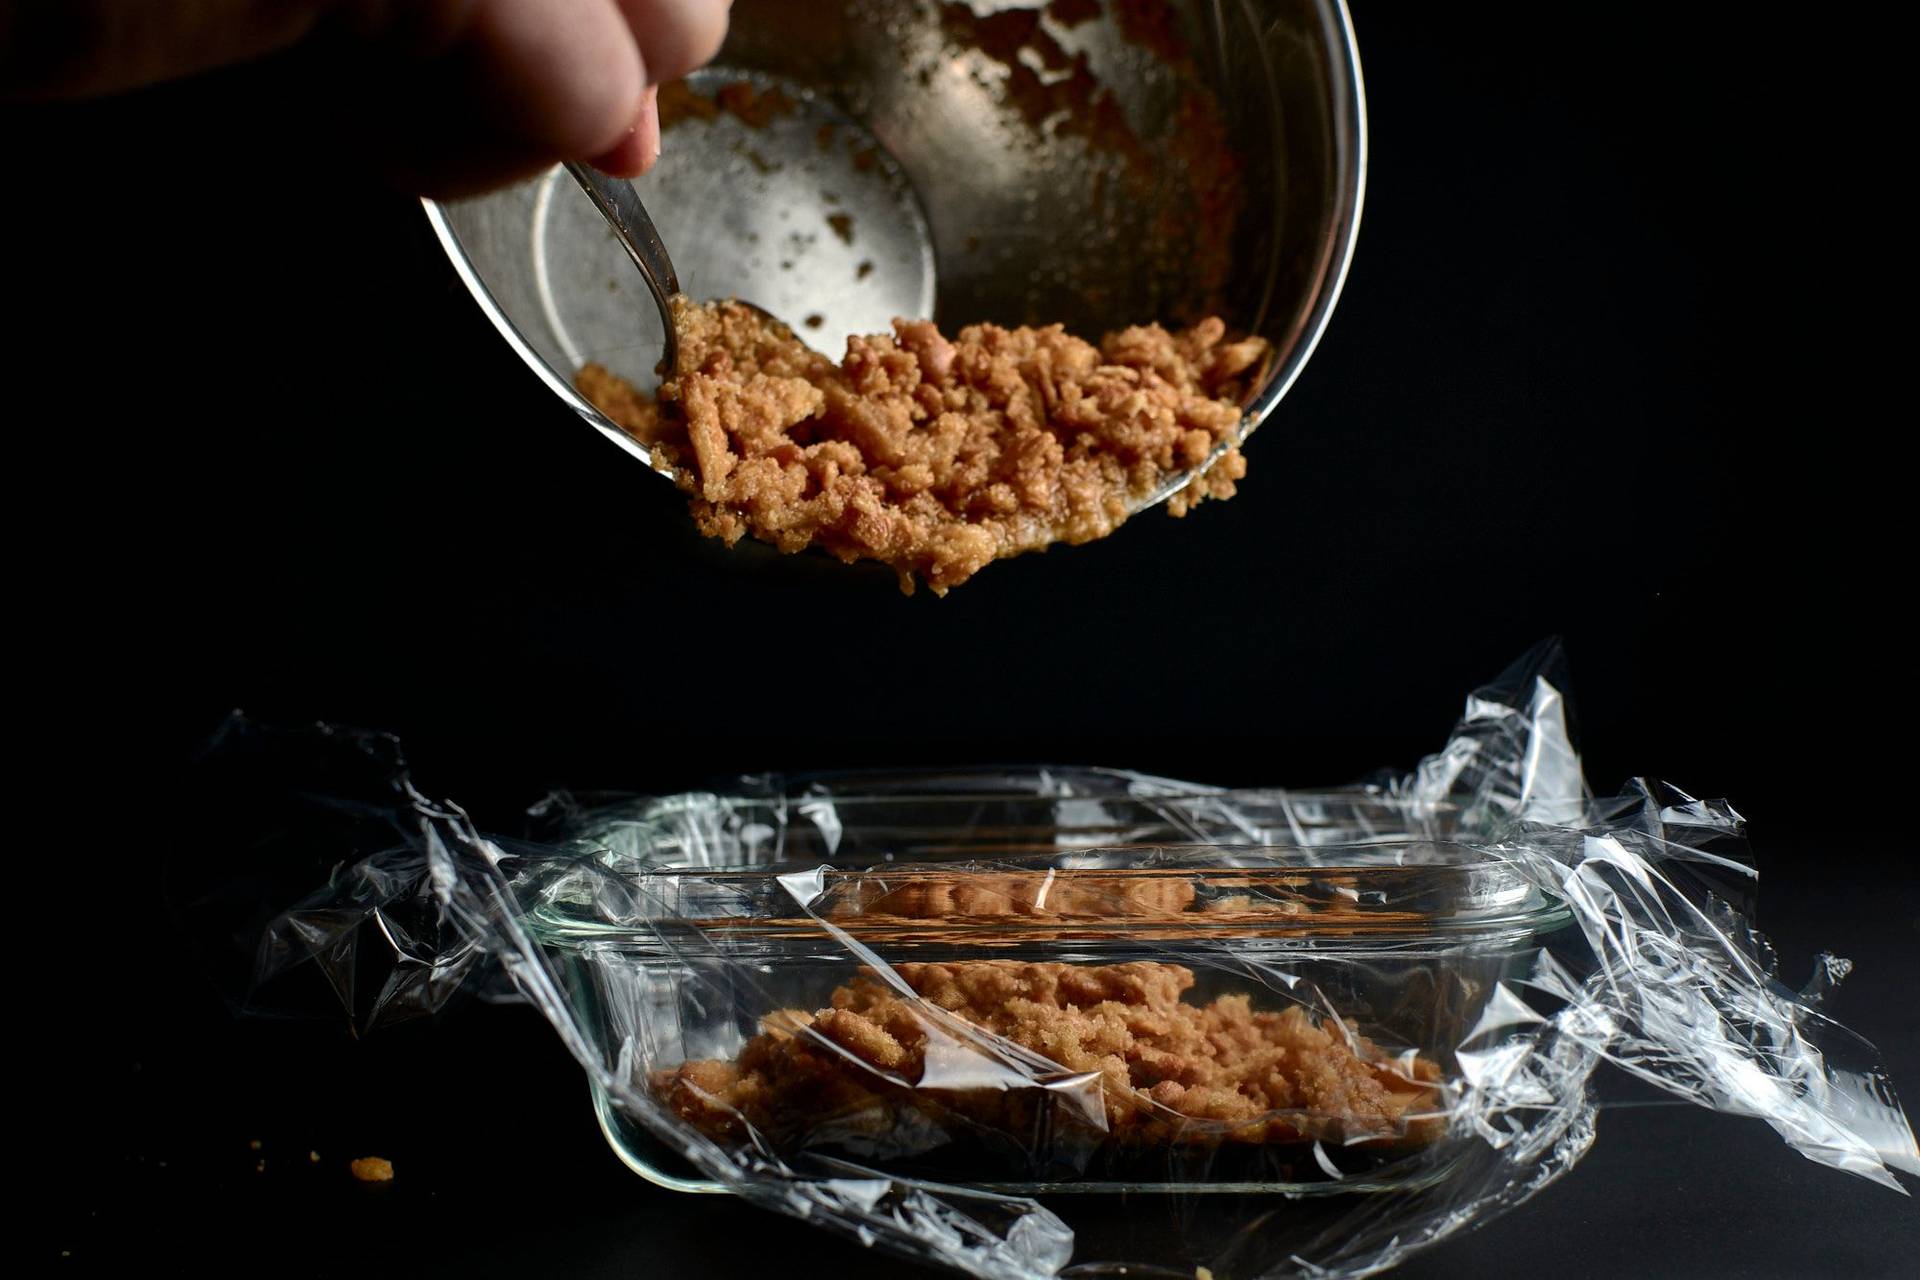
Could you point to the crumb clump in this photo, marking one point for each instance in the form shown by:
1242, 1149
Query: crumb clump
934, 456
753, 107
1169, 1071
372, 1169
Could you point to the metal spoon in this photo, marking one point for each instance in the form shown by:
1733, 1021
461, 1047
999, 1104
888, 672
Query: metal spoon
620, 205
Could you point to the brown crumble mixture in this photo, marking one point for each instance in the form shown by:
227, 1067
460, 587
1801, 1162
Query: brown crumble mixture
740, 99
1171, 1072
934, 456
1052, 894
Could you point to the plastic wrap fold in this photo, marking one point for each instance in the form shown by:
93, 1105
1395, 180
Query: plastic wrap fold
1307, 1033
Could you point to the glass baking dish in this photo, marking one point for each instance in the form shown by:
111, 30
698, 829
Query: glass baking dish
1297, 975
918, 1010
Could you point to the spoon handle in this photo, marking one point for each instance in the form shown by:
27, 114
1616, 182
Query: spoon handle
620, 204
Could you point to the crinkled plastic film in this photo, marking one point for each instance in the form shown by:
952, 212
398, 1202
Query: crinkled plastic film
1434, 968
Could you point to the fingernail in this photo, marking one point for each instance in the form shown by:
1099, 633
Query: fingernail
649, 125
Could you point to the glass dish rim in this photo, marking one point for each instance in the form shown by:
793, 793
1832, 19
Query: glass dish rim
556, 919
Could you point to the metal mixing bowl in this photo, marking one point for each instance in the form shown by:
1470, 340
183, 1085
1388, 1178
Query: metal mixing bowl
1154, 161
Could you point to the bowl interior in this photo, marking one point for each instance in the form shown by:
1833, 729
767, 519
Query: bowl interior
847, 161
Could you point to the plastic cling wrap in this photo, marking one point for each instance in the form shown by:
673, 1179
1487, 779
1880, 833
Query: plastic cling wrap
953, 1016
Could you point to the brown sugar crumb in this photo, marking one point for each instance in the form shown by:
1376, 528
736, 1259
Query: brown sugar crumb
1071, 13
864, 270
1154, 25
842, 224
1060, 97
637, 413
815, 320
1169, 1071
1076, 102
678, 101
759, 162
372, 1169
754, 108
934, 456
1217, 481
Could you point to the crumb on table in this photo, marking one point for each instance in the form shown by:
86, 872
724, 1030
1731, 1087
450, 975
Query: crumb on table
372, 1169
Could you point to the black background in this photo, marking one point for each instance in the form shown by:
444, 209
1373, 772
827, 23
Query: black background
1609, 366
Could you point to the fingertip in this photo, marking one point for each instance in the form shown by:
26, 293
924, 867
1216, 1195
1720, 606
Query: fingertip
677, 36
639, 148
625, 159
648, 128
570, 77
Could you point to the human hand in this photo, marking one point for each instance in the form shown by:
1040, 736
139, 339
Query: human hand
456, 95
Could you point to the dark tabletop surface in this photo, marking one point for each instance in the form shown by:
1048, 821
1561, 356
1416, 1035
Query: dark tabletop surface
1607, 366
